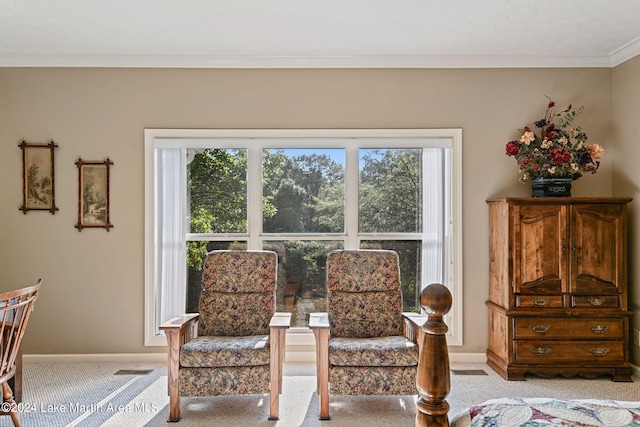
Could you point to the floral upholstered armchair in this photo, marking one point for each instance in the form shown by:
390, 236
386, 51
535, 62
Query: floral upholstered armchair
364, 343
236, 344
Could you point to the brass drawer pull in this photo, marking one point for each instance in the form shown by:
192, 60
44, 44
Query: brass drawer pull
599, 351
542, 351
540, 301
540, 329
598, 329
596, 301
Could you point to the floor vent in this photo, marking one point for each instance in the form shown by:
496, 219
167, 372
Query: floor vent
133, 372
468, 372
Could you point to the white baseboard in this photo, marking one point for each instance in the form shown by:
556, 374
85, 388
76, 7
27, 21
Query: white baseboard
300, 357
468, 357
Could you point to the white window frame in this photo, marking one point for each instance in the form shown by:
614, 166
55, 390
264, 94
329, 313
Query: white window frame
368, 138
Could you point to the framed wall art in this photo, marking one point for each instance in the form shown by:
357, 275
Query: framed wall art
93, 194
38, 178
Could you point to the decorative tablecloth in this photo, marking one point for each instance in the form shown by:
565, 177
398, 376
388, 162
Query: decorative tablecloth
538, 412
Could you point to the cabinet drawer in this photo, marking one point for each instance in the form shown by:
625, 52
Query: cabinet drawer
576, 329
540, 301
550, 352
597, 301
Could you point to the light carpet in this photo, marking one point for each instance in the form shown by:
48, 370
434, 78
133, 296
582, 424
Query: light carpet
91, 394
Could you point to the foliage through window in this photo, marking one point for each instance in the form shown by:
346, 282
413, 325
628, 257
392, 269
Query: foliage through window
302, 198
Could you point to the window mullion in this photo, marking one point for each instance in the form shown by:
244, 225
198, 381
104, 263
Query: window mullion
254, 197
351, 196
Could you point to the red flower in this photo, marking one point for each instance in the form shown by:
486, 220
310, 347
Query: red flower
551, 104
526, 129
551, 134
513, 148
523, 163
560, 156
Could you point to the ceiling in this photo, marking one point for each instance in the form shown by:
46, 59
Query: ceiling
320, 33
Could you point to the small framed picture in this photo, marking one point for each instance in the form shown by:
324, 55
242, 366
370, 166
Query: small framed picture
38, 178
93, 194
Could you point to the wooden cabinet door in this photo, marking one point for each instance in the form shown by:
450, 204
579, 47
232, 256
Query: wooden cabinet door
598, 249
540, 247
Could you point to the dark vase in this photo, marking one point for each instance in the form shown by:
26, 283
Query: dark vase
551, 187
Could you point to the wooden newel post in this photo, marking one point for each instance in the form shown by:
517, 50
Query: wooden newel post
433, 381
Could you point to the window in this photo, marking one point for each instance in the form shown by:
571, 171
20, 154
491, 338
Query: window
300, 193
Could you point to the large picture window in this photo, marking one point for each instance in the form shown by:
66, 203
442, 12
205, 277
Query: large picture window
300, 194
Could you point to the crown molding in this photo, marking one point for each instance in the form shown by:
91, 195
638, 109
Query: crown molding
625, 52
382, 61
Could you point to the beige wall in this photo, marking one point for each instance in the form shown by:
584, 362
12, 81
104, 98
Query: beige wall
92, 299
626, 176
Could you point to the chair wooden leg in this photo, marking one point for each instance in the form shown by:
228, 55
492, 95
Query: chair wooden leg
173, 375
283, 352
275, 372
174, 407
278, 326
7, 394
16, 382
317, 334
322, 371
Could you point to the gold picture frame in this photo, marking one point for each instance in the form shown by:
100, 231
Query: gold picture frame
93, 194
38, 177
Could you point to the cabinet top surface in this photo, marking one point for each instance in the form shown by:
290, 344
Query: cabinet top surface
560, 200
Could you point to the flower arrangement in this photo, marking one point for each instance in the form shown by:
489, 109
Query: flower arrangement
556, 150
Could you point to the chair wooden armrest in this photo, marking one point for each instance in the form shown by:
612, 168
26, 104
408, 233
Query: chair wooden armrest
278, 326
319, 324
180, 323
178, 330
412, 327
318, 320
280, 320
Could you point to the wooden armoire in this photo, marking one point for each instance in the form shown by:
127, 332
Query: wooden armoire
558, 287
